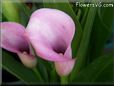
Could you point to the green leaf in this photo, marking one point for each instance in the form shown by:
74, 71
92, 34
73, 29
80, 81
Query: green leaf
54, 77
101, 32
103, 12
100, 70
23, 7
18, 69
66, 7
84, 17
24, 13
8, 8
81, 55
43, 69
106, 74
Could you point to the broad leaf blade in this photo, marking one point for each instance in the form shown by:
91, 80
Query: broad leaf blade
24, 13
8, 8
81, 55
17, 69
95, 71
102, 30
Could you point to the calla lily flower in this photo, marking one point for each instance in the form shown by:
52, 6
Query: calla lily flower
50, 32
13, 40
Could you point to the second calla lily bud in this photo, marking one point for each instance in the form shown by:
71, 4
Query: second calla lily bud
28, 60
13, 40
50, 32
65, 67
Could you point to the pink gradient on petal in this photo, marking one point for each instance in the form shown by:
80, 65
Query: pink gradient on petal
48, 54
68, 52
50, 31
12, 38
27, 59
64, 68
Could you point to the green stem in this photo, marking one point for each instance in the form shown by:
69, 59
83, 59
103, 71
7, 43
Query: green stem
37, 74
64, 80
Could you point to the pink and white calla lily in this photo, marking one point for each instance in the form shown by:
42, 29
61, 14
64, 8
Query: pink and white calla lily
13, 40
50, 32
